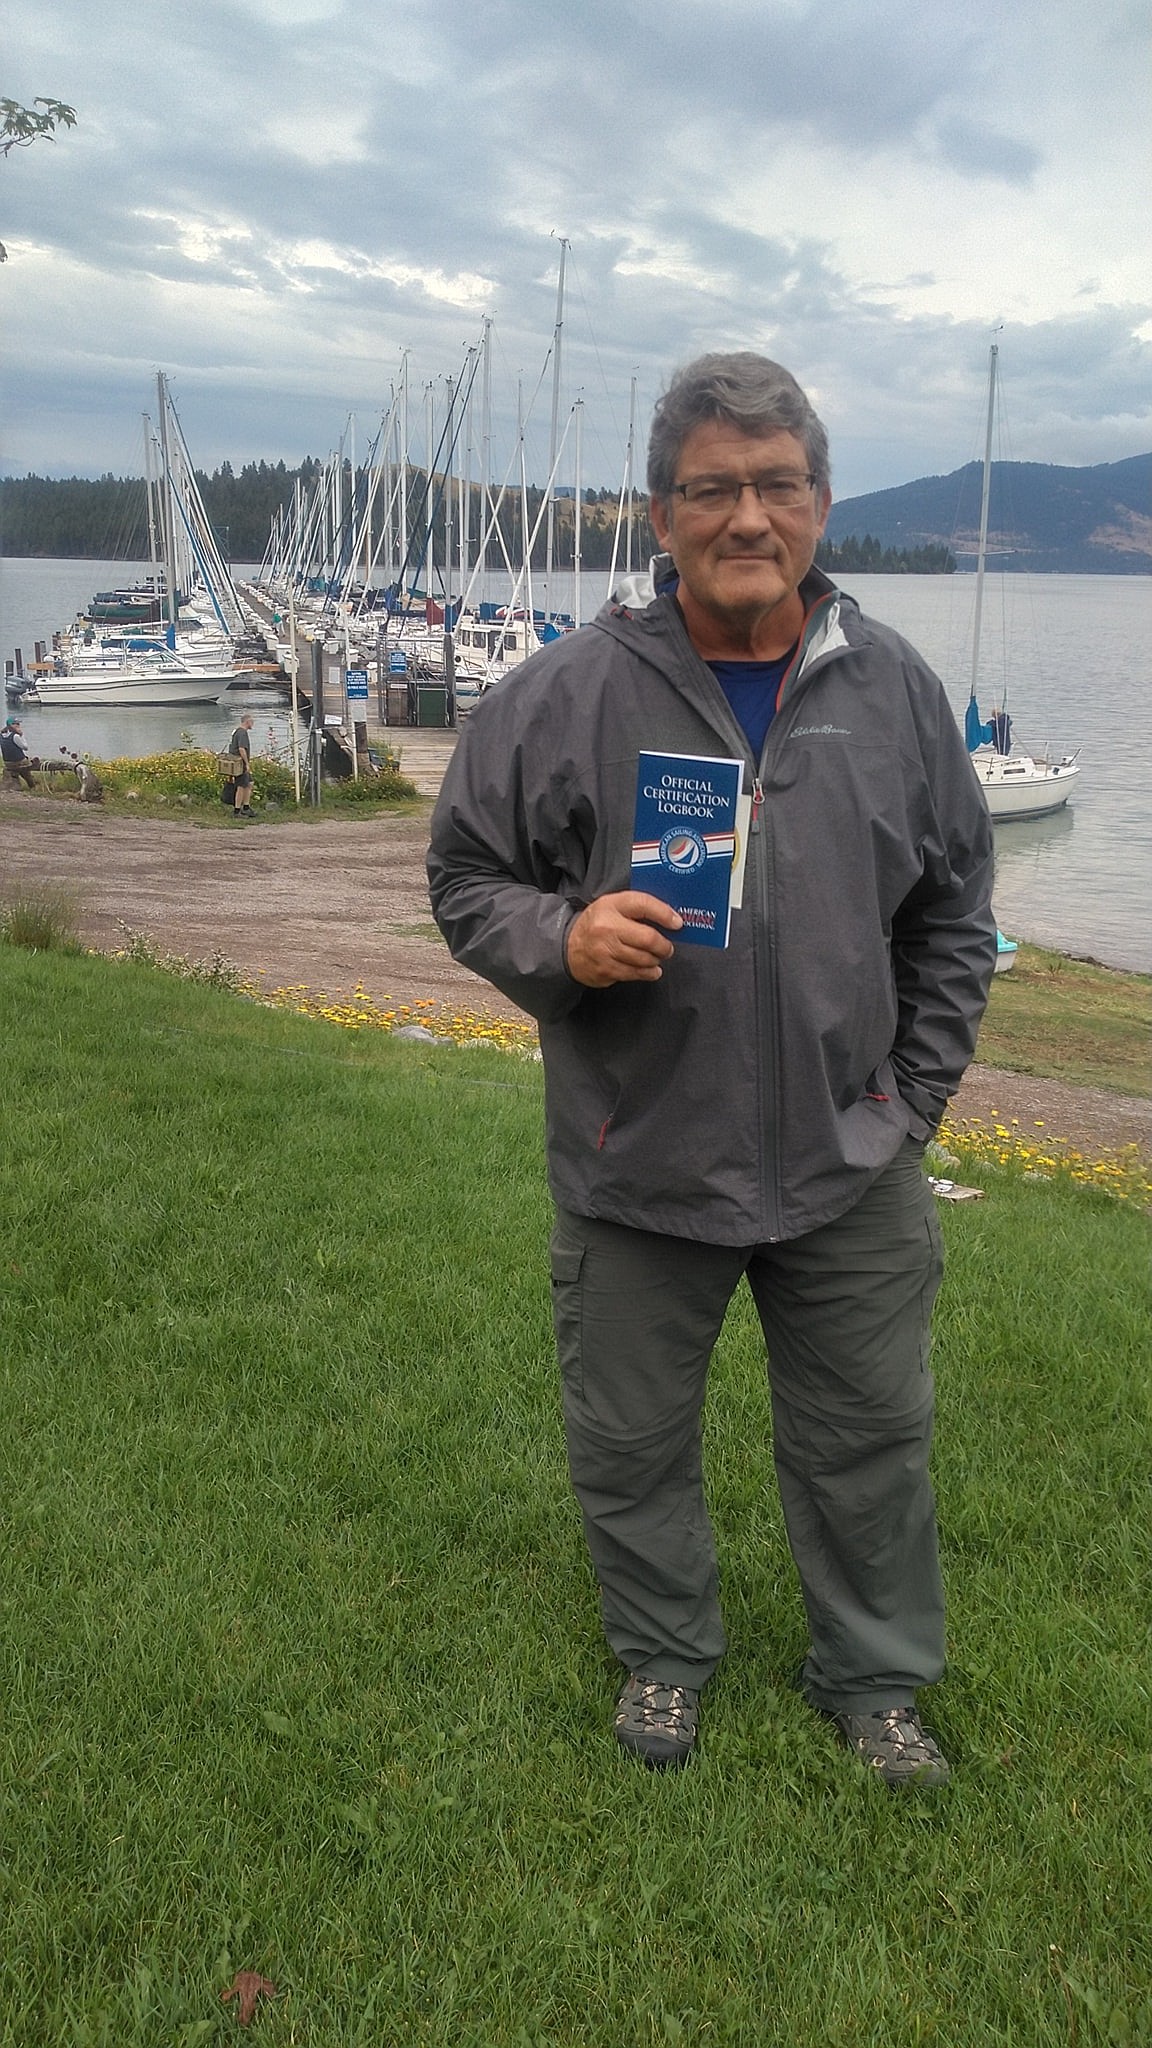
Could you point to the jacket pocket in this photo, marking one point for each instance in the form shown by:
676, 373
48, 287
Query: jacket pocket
881, 1088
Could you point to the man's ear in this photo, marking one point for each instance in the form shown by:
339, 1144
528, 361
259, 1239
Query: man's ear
660, 522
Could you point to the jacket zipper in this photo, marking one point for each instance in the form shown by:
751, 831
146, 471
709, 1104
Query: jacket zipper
766, 966
769, 1138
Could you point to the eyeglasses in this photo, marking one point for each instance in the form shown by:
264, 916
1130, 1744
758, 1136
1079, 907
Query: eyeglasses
720, 493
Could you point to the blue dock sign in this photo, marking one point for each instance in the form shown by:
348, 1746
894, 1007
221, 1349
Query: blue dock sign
356, 685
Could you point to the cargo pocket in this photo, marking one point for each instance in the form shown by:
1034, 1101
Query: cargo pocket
567, 1261
933, 1277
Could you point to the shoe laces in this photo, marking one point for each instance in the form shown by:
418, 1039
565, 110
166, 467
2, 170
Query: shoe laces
659, 1707
899, 1734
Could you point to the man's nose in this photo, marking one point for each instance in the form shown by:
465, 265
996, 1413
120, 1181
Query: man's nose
750, 514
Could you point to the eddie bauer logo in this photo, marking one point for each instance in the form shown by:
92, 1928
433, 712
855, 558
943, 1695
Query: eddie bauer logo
807, 732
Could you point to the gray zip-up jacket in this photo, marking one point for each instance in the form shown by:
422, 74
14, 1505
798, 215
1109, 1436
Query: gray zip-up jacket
752, 1093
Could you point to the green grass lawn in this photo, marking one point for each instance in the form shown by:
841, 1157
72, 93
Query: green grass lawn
301, 1669
1072, 1020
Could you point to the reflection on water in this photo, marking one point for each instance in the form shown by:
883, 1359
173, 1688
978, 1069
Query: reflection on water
1038, 873
1027, 846
1031, 857
109, 730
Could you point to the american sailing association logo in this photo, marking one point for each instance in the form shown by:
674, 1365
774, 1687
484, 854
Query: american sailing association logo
682, 851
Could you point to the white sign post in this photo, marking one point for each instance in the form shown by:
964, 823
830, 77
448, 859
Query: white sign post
356, 690
292, 662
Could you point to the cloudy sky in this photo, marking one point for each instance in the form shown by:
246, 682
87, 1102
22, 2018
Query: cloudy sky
271, 199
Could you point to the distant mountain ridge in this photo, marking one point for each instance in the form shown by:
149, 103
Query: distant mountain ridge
1042, 516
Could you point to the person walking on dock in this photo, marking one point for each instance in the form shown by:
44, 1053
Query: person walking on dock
756, 1109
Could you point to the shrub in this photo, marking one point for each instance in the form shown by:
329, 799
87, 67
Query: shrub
187, 771
42, 918
186, 775
390, 787
218, 972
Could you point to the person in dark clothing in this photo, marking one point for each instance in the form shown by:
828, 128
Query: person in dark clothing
14, 754
1001, 732
755, 1111
240, 745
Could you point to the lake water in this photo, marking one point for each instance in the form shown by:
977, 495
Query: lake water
1077, 646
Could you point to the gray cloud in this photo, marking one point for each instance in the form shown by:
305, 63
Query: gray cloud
975, 148
272, 198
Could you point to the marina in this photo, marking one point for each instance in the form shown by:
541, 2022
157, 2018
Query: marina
1079, 880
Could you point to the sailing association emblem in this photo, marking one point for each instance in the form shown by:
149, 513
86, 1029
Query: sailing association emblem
682, 851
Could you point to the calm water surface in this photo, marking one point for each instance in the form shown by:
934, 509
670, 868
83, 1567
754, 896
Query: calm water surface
1070, 651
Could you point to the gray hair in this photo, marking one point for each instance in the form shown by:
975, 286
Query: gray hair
753, 393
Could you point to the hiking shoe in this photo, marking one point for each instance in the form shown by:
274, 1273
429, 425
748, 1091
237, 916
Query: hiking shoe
657, 1722
893, 1743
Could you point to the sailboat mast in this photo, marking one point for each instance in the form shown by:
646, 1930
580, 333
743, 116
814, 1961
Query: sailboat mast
403, 468
556, 335
628, 472
449, 485
465, 493
525, 531
982, 544
151, 490
577, 545
430, 445
172, 604
485, 451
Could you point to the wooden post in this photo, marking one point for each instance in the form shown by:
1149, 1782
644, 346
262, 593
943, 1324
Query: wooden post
316, 730
449, 680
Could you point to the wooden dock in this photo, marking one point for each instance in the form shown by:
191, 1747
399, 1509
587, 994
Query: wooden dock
404, 704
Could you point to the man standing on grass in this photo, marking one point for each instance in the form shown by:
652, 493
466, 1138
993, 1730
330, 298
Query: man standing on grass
756, 1111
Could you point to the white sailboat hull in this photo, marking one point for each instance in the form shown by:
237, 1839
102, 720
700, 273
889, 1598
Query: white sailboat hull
128, 686
1016, 786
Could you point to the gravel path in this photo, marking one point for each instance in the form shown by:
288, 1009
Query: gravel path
333, 905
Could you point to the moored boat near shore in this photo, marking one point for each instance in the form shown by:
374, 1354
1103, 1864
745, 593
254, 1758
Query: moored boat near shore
1015, 784
160, 683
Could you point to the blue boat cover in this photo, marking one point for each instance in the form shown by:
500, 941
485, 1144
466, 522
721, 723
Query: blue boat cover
976, 733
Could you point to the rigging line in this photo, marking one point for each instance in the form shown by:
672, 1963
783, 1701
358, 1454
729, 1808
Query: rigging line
459, 408
506, 364
1022, 596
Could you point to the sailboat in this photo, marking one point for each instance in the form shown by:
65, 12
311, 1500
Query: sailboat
1015, 784
171, 664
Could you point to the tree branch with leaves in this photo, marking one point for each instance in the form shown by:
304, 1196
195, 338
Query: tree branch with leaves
21, 126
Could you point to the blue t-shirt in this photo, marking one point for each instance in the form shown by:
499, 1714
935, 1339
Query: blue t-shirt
751, 688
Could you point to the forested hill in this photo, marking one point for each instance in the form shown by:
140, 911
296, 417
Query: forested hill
106, 518
1040, 516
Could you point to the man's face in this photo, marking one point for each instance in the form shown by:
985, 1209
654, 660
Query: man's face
744, 562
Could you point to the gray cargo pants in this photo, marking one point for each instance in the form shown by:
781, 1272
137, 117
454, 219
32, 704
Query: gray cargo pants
845, 1312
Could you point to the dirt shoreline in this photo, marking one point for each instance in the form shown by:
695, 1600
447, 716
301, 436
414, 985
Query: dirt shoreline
337, 904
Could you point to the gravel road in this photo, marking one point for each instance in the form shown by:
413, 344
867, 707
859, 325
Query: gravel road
334, 904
